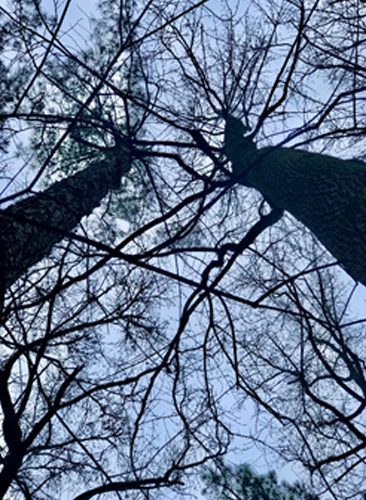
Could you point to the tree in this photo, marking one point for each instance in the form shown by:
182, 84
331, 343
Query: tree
323, 192
31, 228
144, 286
242, 483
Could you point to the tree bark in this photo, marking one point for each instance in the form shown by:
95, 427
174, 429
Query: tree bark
327, 194
30, 228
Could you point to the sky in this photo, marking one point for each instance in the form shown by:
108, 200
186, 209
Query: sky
76, 20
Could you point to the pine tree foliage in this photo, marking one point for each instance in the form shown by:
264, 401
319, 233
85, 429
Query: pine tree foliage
242, 483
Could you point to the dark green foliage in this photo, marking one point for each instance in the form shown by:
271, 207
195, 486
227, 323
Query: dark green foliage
242, 483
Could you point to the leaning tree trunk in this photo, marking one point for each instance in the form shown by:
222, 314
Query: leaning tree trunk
30, 228
325, 193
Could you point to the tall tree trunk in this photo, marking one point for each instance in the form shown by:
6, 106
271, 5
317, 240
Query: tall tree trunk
12, 435
325, 193
30, 228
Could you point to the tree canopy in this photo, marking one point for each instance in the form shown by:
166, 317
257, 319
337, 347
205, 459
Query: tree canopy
156, 310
